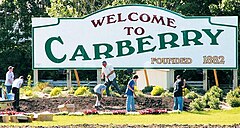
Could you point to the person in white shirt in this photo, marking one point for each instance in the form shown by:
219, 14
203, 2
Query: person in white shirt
110, 77
98, 90
17, 83
9, 79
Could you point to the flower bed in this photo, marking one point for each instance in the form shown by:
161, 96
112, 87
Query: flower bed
153, 111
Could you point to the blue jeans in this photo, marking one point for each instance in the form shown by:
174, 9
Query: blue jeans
178, 103
130, 103
9, 88
114, 83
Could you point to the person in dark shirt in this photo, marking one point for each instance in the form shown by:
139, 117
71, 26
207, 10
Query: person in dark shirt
178, 93
130, 103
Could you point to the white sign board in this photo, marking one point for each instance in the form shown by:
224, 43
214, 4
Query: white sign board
135, 36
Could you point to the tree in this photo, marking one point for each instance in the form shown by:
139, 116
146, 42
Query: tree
15, 34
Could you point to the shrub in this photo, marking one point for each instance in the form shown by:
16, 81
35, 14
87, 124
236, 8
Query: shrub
81, 90
216, 92
147, 89
192, 95
24, 89
157, 90
167, 94
47, 90
171, 89
233, 98
213, 96
40, 86
234, 102
214, 103
138, 92
28, 93
185, 91
55, 91
197, 104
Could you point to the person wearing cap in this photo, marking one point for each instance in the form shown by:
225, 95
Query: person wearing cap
179, 84
17, 83
9, 79
110, 77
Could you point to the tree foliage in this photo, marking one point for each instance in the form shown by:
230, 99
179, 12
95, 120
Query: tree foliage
15, 34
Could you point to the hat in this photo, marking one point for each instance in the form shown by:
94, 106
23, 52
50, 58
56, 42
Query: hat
104, 62
10, 67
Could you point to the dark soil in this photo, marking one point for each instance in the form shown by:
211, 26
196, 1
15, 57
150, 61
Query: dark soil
83, 103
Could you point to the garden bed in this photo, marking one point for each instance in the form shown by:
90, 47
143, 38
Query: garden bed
83, 103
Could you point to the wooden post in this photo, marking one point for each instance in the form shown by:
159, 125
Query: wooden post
215, 76
146, 77
77, 77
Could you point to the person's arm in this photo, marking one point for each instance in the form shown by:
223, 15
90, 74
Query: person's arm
129, 87
102, 75
110, 73
184, 83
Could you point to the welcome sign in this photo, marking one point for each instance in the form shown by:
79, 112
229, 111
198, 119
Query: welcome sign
135, 36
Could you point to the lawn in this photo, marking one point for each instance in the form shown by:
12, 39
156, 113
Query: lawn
222, 117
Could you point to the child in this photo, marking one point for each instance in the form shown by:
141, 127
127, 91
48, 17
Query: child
98, 89
130, 105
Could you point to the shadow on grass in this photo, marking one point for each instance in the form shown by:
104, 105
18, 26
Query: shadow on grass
199, 112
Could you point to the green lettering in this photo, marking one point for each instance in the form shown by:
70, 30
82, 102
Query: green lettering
186, 39
141, 43
83, 53
49, 51
106, 53
121, 46
171, 42
213, 37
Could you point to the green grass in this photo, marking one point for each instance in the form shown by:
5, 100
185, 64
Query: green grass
222, 117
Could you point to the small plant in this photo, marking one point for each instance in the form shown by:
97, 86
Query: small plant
29, 81
192, 95
28, 93
185, 91
167, 94
40, 86
55, 91
138, 92
24, 89
213, 96
157, 91
197, 104
233, 98
47, 90
216, 92
81, 91
147, 89
214, 103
